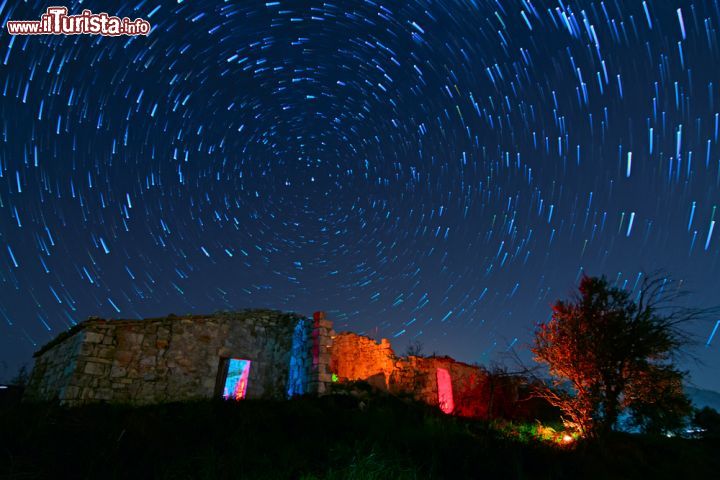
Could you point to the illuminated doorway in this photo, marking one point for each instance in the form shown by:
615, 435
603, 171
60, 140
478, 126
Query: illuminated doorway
235, 373
445, 393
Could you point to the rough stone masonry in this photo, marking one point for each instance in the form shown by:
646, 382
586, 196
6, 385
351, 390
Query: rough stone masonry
179, 358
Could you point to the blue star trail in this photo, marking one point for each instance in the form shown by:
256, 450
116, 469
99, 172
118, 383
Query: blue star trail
435, 171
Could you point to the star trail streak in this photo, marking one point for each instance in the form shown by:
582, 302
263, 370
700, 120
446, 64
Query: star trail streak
439, 171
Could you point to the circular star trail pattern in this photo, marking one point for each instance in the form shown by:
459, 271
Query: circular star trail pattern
433, 171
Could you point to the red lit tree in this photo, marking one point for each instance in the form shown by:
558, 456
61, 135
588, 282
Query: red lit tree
607, 352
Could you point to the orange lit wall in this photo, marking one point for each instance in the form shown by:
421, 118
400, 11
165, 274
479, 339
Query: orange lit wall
356, 357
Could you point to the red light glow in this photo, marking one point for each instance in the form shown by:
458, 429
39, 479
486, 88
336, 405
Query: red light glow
445, 393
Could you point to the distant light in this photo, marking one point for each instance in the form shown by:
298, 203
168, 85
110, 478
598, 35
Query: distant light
3, 387
567, 438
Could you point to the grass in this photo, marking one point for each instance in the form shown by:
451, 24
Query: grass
334, 437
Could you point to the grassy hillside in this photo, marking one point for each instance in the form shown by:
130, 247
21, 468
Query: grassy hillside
336, 437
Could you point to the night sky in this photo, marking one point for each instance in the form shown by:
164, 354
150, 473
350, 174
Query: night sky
439, 171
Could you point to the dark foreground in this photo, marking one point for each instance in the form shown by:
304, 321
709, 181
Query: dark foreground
328, 438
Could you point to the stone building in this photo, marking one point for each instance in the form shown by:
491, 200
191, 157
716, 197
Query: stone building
248, 354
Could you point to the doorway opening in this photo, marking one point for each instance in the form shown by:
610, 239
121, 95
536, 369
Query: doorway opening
445, 393
234, 375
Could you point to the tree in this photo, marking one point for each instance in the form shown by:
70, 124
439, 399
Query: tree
708, 421
657, 402
415, 349
607, 352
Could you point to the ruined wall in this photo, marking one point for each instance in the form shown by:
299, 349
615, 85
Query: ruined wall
418, 377
54, 371
320, 347
179, 358
172, 359
356, 357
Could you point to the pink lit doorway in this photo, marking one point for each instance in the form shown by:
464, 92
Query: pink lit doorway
445, 393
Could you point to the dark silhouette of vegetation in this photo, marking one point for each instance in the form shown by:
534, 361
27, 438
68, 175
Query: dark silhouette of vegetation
657, 402
708, 421
415, 349
21, 377
608, 352
332, 437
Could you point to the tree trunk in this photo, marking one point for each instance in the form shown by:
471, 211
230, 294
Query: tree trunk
610, 410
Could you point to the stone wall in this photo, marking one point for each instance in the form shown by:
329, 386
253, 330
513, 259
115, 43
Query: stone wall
168, 359
356, 357
418, 377
322, 342
181, 358
54, 370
